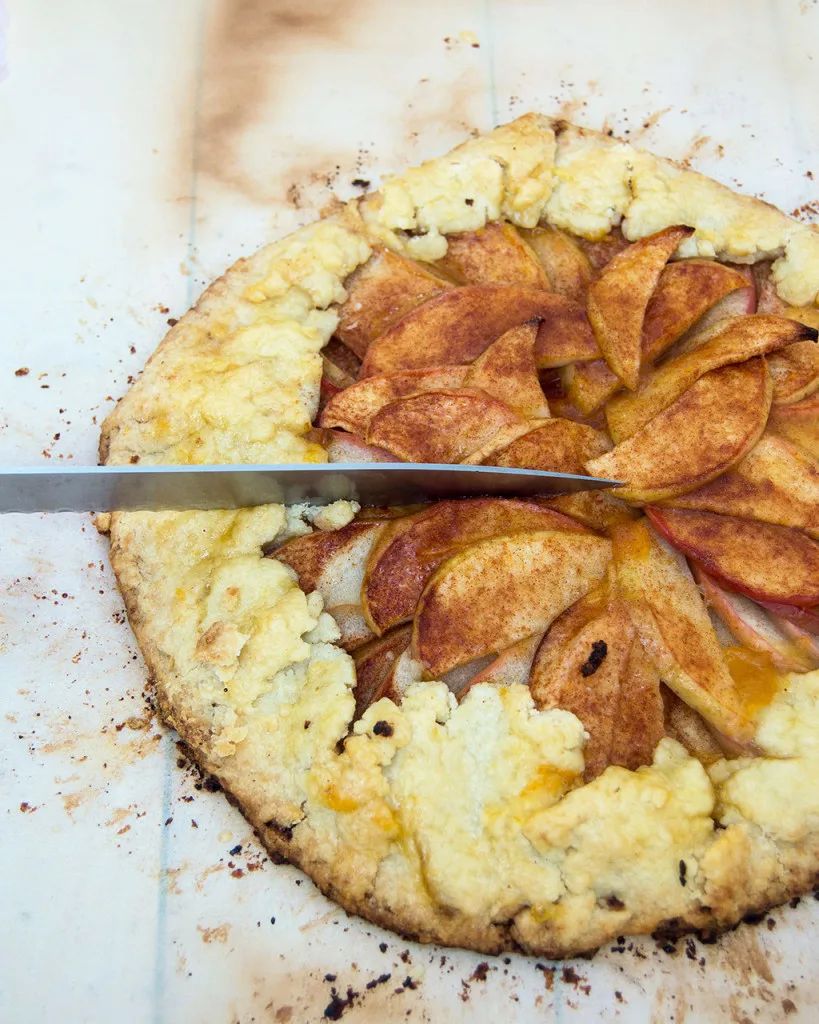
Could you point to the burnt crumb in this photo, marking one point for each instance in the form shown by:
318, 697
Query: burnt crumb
690, 949
383, 728
338, 1005
469, 202
283, 831
683, 871
212, 784
237, 873
548, 975
330, 977
669, 947
272, 920
405, 956
615, 903
570, 976
409, 983
795, 901
134, 460
172, 321
383, 947
753, 918
599, 650
22, 372
382, 979
789, 1006
361, 183
771, 924
480, 973
617, 995
236, 850
307, 723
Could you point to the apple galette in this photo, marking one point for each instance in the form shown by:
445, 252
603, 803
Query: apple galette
501, 723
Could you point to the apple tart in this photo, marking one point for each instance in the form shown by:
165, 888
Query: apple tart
499, 723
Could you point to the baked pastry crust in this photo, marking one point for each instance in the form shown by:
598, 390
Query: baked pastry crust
511, 853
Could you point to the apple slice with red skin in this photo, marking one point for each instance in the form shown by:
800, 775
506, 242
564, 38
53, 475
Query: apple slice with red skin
795, 371
738, 339
710, 427
353, 408
777, 482
750, 626
457, 326
498, 591
344, 447
760, 560
798, 423
409, 551
568, 268
806, 618
558, 446
805, 640
494, 254
374, 662
673, 624
506, 370
379, 293
439, 426
618, 299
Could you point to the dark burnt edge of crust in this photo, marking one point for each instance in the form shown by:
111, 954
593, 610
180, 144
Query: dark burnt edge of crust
283, 845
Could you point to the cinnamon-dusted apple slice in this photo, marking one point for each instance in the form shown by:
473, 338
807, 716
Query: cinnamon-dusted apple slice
568, 268
457, 326
589, 385
354, 407
684, 725
494, 254
498, 591
763, 561
799, 423
795, 371
374, 662
671, 620
507, 371
439, 426
511, 666
738, 339
750, 625
685, 292
505, 436
598, 670
559, 446
564, 336
617, 301
408, 552
595, 509
343, 447
379, 293
777, 482
706, 431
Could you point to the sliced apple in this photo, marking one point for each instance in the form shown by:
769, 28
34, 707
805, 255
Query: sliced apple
354, 407
343, 447
805, 618
408, 552
457, 326
354, 630
494, 254
602, 251
510, 667
342, 358
798, 423
559, 446
777, 482
564, 336
374, 662
562, 408
750, 625
589, 385
672, 622
507, 371
568, 268
595, 509
505, 436
706, 431
379, 293
598, 670
766, 562
795, 371
685, 291
618, 299
406, 671
767, 301
741, 302
332, 561
684, 725
498, 591
439, 426
738, 339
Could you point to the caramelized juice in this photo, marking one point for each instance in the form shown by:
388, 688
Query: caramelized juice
755, 676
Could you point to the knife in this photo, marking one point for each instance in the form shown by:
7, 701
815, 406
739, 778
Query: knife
158, 488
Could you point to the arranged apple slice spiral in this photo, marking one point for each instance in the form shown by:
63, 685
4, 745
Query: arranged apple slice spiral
689, 380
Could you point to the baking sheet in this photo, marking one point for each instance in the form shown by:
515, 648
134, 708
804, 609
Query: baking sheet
145, 147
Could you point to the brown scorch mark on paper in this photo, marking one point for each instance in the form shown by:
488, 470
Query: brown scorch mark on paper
218, 934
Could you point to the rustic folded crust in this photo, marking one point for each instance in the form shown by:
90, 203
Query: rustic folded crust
513, 852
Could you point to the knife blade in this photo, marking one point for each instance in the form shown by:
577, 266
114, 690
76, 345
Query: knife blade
169, 488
